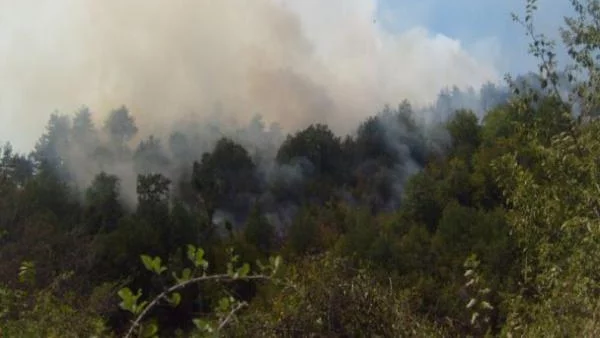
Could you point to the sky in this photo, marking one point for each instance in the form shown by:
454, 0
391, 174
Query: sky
485, 27
293, 61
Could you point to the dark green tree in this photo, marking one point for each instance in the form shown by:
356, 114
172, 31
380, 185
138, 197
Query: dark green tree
319, 146
103, 207
225, 178
259, 232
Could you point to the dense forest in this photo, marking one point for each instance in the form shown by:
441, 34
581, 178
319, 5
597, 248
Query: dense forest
481, 221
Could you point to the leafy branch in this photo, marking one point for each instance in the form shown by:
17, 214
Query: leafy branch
478, 304
228, 306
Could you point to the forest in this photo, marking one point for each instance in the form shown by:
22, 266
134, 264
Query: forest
483, 221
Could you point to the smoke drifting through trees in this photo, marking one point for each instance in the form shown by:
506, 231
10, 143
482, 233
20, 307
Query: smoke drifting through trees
310, 165
294, 62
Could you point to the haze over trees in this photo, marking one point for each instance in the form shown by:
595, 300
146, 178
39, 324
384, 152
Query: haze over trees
485, 222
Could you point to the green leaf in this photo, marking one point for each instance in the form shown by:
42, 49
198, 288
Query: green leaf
260, 265
175, 299
185, 275
276, 263
224, 304
196, 256
191, 253
487, 305
153, 264
149, 330
244, 270
129, 300
203, 325
148, 263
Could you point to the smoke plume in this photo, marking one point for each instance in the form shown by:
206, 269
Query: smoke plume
294, 62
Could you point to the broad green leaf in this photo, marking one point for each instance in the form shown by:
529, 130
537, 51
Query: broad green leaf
196, 256
203, 325
129, 300
191, 253
185, 275
175, 299
153, 264
243, 271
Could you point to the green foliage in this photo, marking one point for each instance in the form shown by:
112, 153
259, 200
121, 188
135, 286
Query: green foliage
318, 145
464, 130
42, 313
103, 209
259, 232
328, 296
227, 306
153, 264
478, 304
129, 301
224, 176
49, 317
422, 201
554, 217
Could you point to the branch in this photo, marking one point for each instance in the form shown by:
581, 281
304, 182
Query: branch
230, 315
163, 295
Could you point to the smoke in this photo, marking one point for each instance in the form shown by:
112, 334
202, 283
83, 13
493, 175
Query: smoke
294, 62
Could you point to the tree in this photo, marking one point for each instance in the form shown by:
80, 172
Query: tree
52, 147
120, 126
103, 208
153, 198
554, 216
14, 167
465, 131
422, 202
149, 157
319, 146
83, 130
259, 232
180, 147
225, 178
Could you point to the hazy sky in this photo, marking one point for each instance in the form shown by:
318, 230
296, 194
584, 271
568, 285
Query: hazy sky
294, 61
485, 27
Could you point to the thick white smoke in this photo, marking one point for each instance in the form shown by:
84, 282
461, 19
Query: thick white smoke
295, 62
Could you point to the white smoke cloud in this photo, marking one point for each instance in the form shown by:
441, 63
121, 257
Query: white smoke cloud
295, 62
